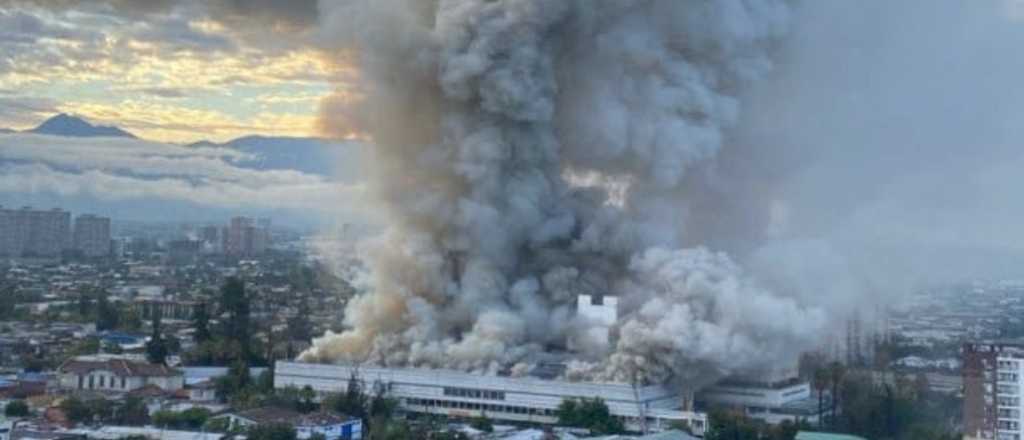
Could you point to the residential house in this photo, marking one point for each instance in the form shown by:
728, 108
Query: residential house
331, 426
116, 374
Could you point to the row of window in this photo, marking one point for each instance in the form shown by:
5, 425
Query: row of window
485, 407
102, 382
1009, 425
507, 409
1009, 401
474, 394
1008, 377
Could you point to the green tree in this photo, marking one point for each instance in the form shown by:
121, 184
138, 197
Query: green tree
482, 423
219, 424
133, 412
107, 315
235, 306
277, 431
237, 380
592, 414
156, 348
201, 322
130, 319
836, 373
16, 408
820, 382
299, 326
728, 425
90, 345
352, 402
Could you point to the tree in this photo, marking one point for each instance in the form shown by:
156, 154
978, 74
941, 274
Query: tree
17, 408
156, 348
727, 425
189, 419
299, 327
352, 402
592, 414
237, 379
130, 319
133, 412
482, 423
201, 322
820, 383
235, 305
836, 373
107, 316
277, 431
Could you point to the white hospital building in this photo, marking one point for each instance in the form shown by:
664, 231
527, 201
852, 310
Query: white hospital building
513, 399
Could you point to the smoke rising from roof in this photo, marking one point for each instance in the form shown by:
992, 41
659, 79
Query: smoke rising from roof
528, 151
482, 111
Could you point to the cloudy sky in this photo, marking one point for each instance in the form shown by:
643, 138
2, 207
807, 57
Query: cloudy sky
171, 72
165, 70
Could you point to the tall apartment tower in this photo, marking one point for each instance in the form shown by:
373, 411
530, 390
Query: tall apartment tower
27, 232
92, 235
244, 238
993, 375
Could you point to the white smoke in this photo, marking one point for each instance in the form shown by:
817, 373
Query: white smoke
480, 109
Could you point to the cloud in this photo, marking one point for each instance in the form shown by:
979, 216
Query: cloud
21, 110
130, 169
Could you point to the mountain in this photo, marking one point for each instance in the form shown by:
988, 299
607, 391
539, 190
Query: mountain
309, 155
6, 130
67, 125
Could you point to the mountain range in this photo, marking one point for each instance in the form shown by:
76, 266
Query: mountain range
67, 125
309, 155
338, 161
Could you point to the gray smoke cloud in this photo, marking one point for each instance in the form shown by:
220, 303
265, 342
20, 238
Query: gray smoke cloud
528, 151
743, 175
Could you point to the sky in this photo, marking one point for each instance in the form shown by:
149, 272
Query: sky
173, 71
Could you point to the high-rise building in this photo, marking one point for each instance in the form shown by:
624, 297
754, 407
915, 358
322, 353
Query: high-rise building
993, 375
244, 238
92, 235
27, 232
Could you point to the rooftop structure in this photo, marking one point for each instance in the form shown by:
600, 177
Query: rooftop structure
513, 399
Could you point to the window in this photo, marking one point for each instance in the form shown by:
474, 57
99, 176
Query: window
103, 381
81, 380
124, 383
91, 381
474, 393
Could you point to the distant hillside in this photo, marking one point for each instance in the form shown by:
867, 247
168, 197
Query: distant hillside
6, 130
67, 125
309, 155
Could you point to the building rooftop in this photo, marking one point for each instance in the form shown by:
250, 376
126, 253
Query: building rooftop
273, 415
805, 435
120, 367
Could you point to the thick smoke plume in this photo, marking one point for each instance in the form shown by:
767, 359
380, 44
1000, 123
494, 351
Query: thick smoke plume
528, 151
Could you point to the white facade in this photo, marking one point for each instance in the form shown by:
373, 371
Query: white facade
348, 430
1010, 379
599, 314
517, 399
773, 404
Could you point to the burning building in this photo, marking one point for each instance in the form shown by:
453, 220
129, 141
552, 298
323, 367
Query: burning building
533, 154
